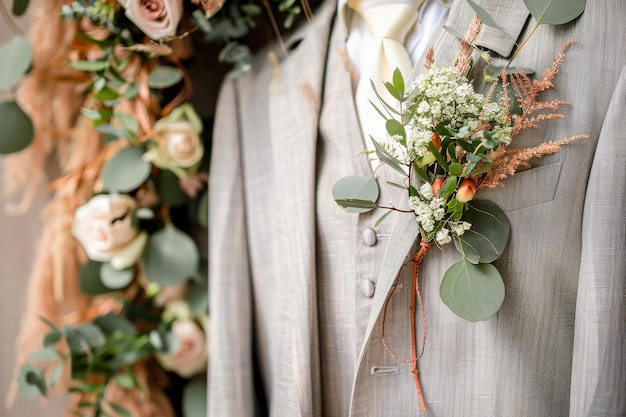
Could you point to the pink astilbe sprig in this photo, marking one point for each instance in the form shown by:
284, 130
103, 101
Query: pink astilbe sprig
464, 61
527, 92
506, 161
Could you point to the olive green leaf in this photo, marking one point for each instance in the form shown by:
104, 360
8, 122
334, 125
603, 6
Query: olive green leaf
555, 12
31, 382
19, 7
489, 234
356, 194
164, 76
170, 257
17, 128
195, 399
16, 55
125, 171
473, 292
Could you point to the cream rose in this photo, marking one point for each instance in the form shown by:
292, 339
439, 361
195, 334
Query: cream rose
178, 147
158, 19
191, 357
103, 228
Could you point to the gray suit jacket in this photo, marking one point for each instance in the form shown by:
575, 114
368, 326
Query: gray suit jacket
556, 347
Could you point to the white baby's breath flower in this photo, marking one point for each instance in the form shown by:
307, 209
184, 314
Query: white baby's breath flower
443, 236
426, 191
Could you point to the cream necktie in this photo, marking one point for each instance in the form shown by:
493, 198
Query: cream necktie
389, 25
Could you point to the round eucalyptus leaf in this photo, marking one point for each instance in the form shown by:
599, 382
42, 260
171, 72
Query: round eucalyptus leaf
91, 334
116, 279
489, 234
126, 171
89, 279
164, 76
195, 399
555, 12
19, 7
17, 128
170, 257
203, 210
110, 323
46, 354
198, 298
15, 62
473, 292
356, 194
31, 382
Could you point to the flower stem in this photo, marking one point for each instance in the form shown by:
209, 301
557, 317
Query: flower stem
417, 295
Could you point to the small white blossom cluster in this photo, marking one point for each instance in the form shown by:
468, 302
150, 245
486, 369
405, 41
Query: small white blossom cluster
429, 211
441, 95
393, 145
428, 208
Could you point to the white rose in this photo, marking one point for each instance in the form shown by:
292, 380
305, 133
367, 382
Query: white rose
103, 228
178, 144
156, 18
191, 358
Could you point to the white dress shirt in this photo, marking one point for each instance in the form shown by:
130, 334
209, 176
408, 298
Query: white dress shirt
431, 16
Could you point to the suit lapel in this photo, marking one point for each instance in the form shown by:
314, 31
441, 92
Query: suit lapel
295, 90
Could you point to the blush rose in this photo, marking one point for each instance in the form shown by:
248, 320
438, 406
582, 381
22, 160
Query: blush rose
158, 19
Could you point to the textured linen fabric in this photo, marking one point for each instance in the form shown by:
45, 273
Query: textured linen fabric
556, 347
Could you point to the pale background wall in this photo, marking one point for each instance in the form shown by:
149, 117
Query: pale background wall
18, 242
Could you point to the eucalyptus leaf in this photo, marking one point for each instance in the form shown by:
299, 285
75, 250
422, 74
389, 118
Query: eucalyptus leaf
52, 337
198, 298
489, 233
473, 292
359, 188
45, 354
164, 76
115, 279
388, 159
170, 257
453, 32
195, 399
398, 82
89, 279
120, 409
31, 382
487, 19
91, 334
89, 66
16, 57
124, 381
394, 127
555, 12
203, 210
17, 128
19, 7
126, 171
111, 324
57, 372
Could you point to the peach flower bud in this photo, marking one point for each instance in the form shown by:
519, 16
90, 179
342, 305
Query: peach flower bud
466, 190
436, 140
158, 19
437, 186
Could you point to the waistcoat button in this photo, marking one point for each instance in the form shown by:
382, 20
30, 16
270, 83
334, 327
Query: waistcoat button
367, 288
369, 237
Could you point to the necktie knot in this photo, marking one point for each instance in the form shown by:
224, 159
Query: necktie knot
388, 20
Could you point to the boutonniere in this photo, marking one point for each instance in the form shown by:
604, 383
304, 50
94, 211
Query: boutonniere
448, 142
